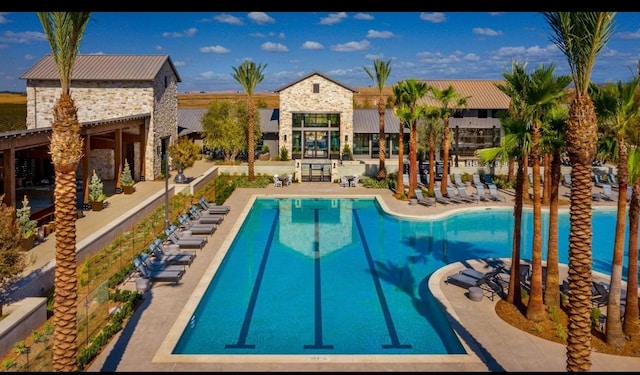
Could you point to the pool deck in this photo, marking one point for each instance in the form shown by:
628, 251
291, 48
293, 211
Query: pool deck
492, 344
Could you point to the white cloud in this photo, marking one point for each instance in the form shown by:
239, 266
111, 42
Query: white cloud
215, 49
187, 33
535, 51
351, 46
437, 58
227, 18
260, 18
363, 16
333, 18
625, 35
436, 17
22, 37
179, 63
258, 35
273, 47
158, 48
3, 19
312, 45
486, 31
373, 57
379, 34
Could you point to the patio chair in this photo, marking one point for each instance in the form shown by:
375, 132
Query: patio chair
196, 228
566, 180
344, 181
424, 200
441, 198
597, 179
600, 294
496, 273
213, 208
354, 182
482, 194
613, 181
463, 198
462, 192
451, 194
476, 180
276, 181
204, 217
489, 286
185, 242
488, 179
184, 258
493, 192
458, 180
158, 265
157, 276
607, 193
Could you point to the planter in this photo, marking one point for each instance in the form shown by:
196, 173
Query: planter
127, 189
97, 206
26, 244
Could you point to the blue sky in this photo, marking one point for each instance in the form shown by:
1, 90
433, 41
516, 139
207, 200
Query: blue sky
204, 46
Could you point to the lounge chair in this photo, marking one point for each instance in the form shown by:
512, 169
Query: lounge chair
451, 194
196, 228
489, 286
213, 208
488, 179
423, 200
185, 242
457, 178
158, 265
493, 192
157, 276
566, 180
597, 179
462, 192
181, 257
441, 198
612, 180
607, 193
462, 196
496, 273
600, 294
482, 194
476, 180
203, 217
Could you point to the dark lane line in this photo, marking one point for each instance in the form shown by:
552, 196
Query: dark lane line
244, 331
393, 334
317, 312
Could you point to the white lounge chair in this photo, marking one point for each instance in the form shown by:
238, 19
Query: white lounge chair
276, 181
457, 178
441, 198
423, 200
484, 196
607, 193
451, 194
493, 191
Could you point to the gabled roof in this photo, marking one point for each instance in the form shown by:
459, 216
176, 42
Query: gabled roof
315, 74
104, 68
483, 94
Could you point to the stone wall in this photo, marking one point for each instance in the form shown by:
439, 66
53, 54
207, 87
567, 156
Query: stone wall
332, 98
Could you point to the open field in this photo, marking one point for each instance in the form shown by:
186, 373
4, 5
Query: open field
13, 112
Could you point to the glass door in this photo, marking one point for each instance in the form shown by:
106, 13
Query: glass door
316, 144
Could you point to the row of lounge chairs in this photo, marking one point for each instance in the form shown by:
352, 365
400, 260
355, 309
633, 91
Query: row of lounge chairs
162, 262
460, 195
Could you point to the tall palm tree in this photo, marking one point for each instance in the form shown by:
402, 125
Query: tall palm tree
64, 30
631, 325
249, 75
543, 91
433, 131
382, 70
400, 104
581, 36
449, 100
618, 111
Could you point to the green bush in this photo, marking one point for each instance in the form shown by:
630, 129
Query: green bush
284, 153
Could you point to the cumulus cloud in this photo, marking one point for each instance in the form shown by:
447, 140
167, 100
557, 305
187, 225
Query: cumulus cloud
3, 19
435, 17
309, 44
179, 63
363, 16
333, 18
187, 33
486, 31
215, 49
625, 35
351, 46
379, 34
260, 18
370, 56
273, 47
534, 51
22, 37
227, 18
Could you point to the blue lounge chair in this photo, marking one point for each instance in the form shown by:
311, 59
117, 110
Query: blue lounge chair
181, 257
157, 276
158, 265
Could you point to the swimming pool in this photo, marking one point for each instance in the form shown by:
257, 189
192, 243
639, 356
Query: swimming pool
339, 276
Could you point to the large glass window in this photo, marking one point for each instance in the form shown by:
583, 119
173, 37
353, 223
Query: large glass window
316, 134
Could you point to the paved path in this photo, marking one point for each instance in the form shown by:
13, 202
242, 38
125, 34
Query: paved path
493, 345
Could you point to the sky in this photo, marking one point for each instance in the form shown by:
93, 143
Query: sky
205, 46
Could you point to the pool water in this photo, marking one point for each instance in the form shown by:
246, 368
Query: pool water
340, 276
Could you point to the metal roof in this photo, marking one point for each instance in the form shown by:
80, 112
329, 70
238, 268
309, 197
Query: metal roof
189, 120
368, 121
483, 94
104, 68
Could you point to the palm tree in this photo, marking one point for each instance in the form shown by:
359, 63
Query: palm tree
433, 132
64, 30
382, 72
631, 325
449, 100
617, 111
400, 105
249, 75
581, 36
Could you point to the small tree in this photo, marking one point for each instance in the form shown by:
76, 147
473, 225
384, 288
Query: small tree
184, 153
96, 188
284, 153
26, 226
346, 152
125, 177
12, 260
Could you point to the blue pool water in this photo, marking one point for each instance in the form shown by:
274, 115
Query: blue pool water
339, 276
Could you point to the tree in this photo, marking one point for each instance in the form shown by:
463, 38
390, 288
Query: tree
225, 125
399, 106
249, 75
449, 100
581, 36
184, 153
617, 111
12, 259
382, 72
64, 30
631, 325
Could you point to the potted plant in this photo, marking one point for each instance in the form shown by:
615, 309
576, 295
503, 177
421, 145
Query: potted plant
96, 192
125, 179
183, 154
26, 225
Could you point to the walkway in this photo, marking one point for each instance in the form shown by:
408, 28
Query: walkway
493, 344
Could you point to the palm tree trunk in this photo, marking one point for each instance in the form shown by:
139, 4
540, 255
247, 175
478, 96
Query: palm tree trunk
631, 323
510, 170
615, 336
400, 183
251, 140
432, 160
546, 188
551, 294
514, 296
445, 159
413, 168
535, 307
382, 141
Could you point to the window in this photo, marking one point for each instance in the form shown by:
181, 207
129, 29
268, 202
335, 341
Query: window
457, 113
316, 88
482, 113
166, 81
